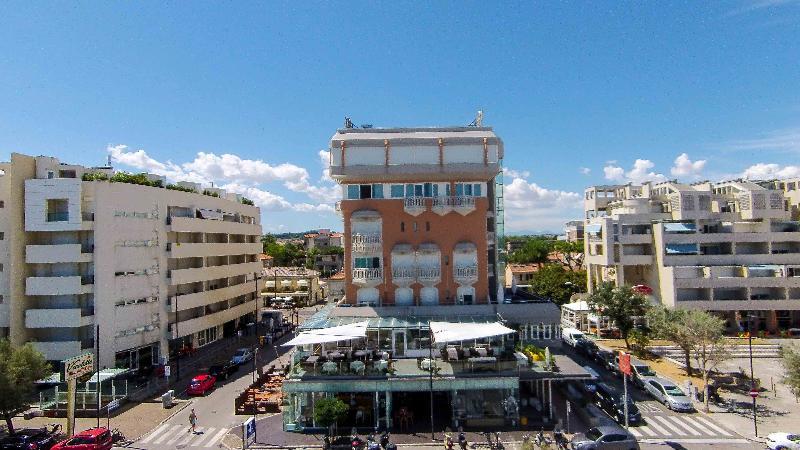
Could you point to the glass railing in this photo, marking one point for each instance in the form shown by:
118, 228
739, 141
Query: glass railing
57, 216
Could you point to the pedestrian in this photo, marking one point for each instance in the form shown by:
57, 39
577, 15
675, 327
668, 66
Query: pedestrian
193, 421
689, 388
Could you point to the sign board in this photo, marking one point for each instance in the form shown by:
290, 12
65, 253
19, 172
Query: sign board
754, 394
167, 372
625, 363
78, 366
248, 432
112, 405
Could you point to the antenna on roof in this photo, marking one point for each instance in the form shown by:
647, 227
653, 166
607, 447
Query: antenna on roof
478, 122
109, 160
348, 123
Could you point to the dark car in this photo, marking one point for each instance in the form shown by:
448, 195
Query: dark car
611, 401
586, 347
31, 439
606, 359
222, 370
604, 438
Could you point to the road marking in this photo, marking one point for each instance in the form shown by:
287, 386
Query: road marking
635, 432
696, 441
699, 425
154, 433
645, 430
714, 426
680, 421
204, 436
652, 423
190, 436
165, 434
216, 437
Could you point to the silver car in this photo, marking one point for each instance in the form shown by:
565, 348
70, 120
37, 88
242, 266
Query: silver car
608, 437
667, 393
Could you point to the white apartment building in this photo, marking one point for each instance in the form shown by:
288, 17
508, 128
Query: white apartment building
728, 247
76, 254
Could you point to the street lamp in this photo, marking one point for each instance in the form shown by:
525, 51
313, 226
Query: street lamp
430, 368
753, 391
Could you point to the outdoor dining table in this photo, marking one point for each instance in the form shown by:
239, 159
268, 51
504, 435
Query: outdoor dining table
335, 355
382, 365
360, 353
329, 367
425, 364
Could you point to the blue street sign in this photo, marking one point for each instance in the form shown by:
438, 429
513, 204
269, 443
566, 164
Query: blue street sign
248, 432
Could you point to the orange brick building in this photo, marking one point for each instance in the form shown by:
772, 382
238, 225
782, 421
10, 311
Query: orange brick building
423, 214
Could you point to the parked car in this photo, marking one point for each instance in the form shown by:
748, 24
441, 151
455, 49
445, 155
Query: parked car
783, 441
92, 439
640, 372
607, 437
571, 336
242, 356
667, 393
222, 370
586, 347
612, 402
606, 359
201, 384
31, 439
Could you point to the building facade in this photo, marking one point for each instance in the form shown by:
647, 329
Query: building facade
573, 231
122, 256
729, 247
422, 211
321, 239
300, 284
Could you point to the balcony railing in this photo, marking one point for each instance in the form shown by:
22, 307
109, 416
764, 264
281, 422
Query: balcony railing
414, 205
403, 273
460, 202
367, 274
57, 216
466, 271
366, 242
428, 273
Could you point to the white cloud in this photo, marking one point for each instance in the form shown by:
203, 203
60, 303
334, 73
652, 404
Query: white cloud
764, 171
512, 173
585, 170
685, 168
639, 173
533, 207
787, 140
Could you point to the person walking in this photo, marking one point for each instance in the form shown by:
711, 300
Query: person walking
192, 422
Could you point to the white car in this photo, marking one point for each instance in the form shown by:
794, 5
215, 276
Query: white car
667, 393
783, 441
242, 356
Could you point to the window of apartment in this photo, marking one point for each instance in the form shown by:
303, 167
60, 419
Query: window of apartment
427, 226
468, 189
402, 227
50, 174
57, 210
397, 190
2, 235
415, 227
2, 204
1, 299
367, 263
362, 191
1, 267
66, 174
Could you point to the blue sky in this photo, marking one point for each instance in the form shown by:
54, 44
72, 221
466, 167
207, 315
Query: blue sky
247, 95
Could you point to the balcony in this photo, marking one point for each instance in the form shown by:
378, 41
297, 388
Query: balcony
196, 225
183, 276
58, 216
64, 253
414, 205
58, 318
366, 242
429, 274
58, 350
69, 285
368, 276
462, 204
403, 273
193, 250
467, 274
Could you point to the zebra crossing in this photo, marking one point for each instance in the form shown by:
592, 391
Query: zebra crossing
692, 426
176, 436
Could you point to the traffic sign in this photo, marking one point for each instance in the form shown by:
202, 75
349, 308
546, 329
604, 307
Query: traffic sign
754, 393
78, 366
249, 432
112, 405
625, 363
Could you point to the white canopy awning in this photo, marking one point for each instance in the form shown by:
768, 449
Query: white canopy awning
451, 332
302, 282
270, 283
285, 282
333, 334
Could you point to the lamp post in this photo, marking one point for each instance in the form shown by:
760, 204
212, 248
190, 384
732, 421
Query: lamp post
431, 368
750, 318
177, 336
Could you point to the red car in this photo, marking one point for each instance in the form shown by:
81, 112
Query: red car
201, 384
92, 439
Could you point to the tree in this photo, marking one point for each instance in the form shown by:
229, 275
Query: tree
569, 254
791, 365
672, 325
620, 304
20, 367
535, 251
557, 283
328, 411
710, 347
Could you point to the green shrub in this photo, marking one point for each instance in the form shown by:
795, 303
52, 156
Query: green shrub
210, 194
94, 176
175, 187
247, 201
138, 178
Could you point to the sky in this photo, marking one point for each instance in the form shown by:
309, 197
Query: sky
248, 95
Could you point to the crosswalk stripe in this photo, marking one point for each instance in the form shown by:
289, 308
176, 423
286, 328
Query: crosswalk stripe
154, 433
635, 432
216, 437
182, 434
651, 422
208, 432
645, 430
167, 433
699, 425
190, 436
681, 424
714, 426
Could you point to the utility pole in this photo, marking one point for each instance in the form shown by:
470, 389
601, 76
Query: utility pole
753, 392
177, 336
430, 353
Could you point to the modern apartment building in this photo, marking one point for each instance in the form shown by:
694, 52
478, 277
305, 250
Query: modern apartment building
729, 247
573, 231
77, 254
423, 214
322, 238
